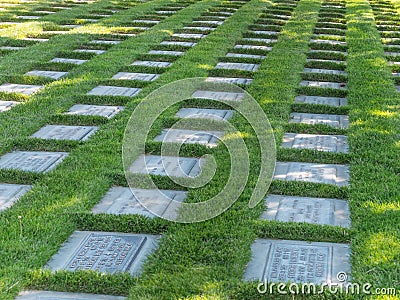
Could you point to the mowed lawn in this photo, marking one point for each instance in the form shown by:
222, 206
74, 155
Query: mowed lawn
204, 260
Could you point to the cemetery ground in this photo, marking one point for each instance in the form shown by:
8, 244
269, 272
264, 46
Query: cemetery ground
324, 72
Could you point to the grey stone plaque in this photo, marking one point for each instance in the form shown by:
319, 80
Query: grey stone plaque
105, 42
329, 36
149, 63
34, 39
321, 60
95, 51
253, 47
68, 60
166, 12
230, 96
46, 12
107, 90
49, 295
322, 211
330, 42
230, 80
337, 121
121, 201
324, 71
146, 21
64, 132
319, 142
245, 55
199, 28
50, 74
205, 113
95, 110
166, 52
166, 166
327, 51
264, 32
237, 66
28, 17
297, 261
32, 161
11, 48
189, 35
9, 193
206, 138
331, 101
106, 252
7, 105
24, 89
267, 41
324, 84
135, 76
281, 16
313, 172
208, 22
177, 43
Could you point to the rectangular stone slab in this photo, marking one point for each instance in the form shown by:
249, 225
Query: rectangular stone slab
64, 132
253, 47
11, 48
189, 35
68, 60
327, 51
199, 28
319, 142
105, 42
49, 295
229, 96
313, 172
207, 22
264, 32
95, 51
245, 55
336, 121
135, 76
146, 21
331, 101
324, 71
106, 252
50, 74
321, 211
7, 105
166, 166
34, 39
237, 66
230, 80
10, 193
297, 261
121, 201
95, 110
32, 161
166, 52
107, 90
206, 138
322, 60
267, 41
149, 63
24, 89
330, 42
324, 84
28, 17
177, 43
205, 113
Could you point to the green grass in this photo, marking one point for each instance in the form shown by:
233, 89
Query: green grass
204, 260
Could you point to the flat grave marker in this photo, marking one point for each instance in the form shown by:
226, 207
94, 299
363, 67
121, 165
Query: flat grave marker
253, 47
95, 51
149, 63
50, 295
121, 201
189, 35
10, 193
230, 80
237, 66
135, 76
24, 89
324, 84
331, 101
166, 166
107, 90
106, 252
242, 55
319, 142
177, 43
267, 41
206, 138
336, 121
166, 52
313, 172
106, 111
324, 71
68, 60
32, 161
213, 95
65, 132
297, 261
7, 105
321, 211
50, 74
104, 42
204, 113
